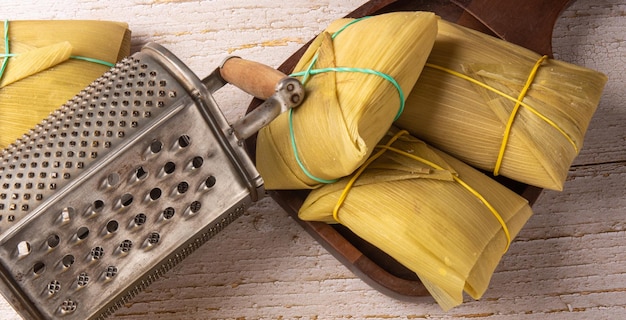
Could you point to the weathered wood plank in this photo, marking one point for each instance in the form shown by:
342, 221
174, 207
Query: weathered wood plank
591, 34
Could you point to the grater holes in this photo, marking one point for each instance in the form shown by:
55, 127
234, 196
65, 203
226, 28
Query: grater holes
196, 162
82, 233
53, 241
110, 272
155, 194
68, 260
112, 226
182, 187
140, 219
168, 213
38, 268
68, 306
125, 246
209, 182
98, 205
193, 208
156, 146
65, 215
95, 208
184, 141
53, 287
141, 173
112, 180
152, 239
23, 249
96, 253
169, 167
82, 279
125, 200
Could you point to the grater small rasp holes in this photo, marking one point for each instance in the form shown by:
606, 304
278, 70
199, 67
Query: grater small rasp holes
124, 181
80, 132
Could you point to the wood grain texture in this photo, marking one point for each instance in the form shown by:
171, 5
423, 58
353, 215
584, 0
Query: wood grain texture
569, 261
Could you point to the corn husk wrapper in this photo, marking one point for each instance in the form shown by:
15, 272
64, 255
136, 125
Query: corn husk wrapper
42, 75
469, 121
346, 113
425, 219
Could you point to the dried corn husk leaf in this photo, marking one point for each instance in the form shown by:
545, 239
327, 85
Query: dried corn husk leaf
425, 219
469, 121
35, 60
41, 77
346, 113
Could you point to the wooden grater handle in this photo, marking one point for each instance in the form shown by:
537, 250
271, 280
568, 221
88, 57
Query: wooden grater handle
254, 78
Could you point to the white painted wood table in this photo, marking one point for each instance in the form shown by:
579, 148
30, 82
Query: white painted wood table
569, 261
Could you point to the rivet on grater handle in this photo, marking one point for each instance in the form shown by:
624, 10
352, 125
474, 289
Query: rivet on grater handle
279, 91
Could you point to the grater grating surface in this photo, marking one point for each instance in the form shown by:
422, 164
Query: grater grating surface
116, 187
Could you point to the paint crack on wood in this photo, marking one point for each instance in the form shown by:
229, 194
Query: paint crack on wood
270, 43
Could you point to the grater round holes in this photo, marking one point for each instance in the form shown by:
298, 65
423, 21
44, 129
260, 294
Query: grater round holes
184, 141
112, 180
111, 226
155, 194
125, 246
68, 261
182, 187
68, 306
38, 268
82, 233
140, 219
98, 205
156, 146
53, 241
96, 253
169, 167
141, 173
168, 213
209, 182
196, 162
126, 200
193, 208
109, 272
95, 208
23, 249
152, 240
82, 280
53, 287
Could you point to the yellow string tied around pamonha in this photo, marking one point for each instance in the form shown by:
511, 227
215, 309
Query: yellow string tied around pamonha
437, 216
518, 103
501, 107
387, 147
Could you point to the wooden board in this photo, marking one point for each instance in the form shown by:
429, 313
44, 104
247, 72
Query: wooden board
567, 263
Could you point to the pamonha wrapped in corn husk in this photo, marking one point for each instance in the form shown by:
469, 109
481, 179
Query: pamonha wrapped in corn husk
346, 112
469, 121
437, 216
48, 62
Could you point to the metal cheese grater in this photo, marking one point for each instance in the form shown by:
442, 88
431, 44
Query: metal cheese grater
122, 183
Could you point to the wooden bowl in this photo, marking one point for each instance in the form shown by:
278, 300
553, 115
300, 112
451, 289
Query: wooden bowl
527, 23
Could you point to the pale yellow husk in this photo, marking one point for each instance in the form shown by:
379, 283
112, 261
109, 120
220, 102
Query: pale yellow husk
346, 113
425, 219
468, 121
42, 76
